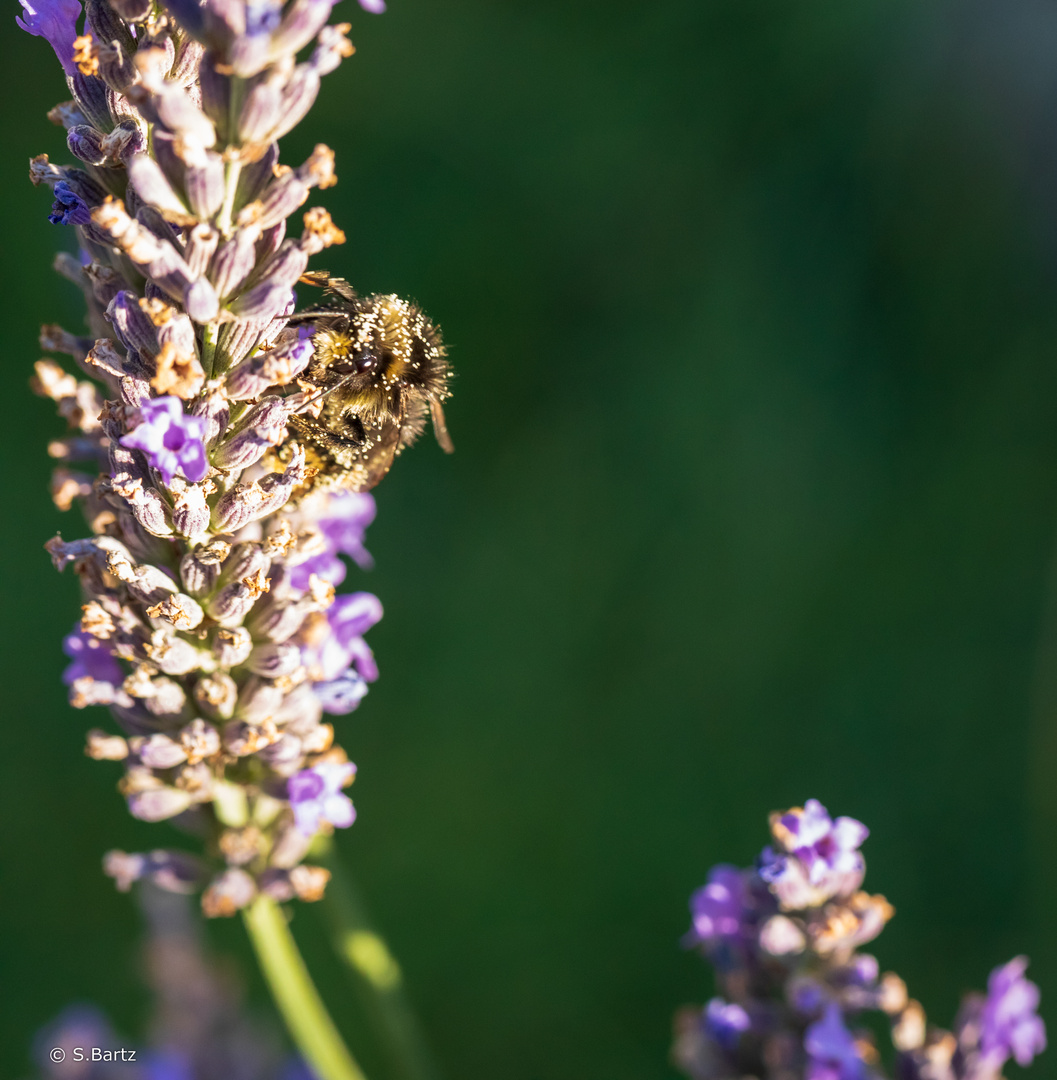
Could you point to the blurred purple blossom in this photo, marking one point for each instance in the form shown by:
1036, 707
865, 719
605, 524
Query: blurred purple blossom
1010, 1025
375, 7
815, 858
91, 658
171, 440
720, 908
56, 22
316, 796
725, 1022
830, 1048
821, 844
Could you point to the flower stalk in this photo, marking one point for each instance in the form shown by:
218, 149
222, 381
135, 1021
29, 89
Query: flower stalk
296, 995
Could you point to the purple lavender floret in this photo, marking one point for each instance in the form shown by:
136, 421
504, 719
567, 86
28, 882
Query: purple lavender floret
263, 17
343, 694
69, 208
316, 796
56, 22
830, 1049
171, 440
91, 659
726, 1022
343, 527
1010, 1025
350, 513
349, 617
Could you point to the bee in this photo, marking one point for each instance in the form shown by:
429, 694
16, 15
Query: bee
379, 367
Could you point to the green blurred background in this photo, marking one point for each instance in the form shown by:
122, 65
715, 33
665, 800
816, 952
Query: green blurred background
752, 305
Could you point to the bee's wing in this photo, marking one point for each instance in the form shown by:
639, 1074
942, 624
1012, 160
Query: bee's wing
336, 285
384, 442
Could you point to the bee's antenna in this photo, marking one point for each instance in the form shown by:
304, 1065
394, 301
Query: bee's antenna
322, 394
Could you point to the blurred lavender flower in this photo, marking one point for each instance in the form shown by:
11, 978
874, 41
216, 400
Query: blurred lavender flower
1010, 1026
198, 1029
726, 1022
814, 858
830, 1048
171, 441
784, 940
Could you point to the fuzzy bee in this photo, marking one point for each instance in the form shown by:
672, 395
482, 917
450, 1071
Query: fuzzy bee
379, 367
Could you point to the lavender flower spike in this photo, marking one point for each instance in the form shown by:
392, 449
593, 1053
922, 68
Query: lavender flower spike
56, 22
211, 628
170, 440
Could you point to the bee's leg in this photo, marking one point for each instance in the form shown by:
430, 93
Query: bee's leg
440, 428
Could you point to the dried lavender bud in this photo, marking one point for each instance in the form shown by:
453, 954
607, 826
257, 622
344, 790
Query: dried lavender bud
276, 367
216, 695
263, 427
158, 804
273, 661
104, 747
158, 751
231, 645
228, 893
198, 739
200, 568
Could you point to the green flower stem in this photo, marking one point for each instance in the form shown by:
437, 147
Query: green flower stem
295, 994
376, 977
209, 347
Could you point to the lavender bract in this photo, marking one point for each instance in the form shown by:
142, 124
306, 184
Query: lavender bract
784, 940
210, 626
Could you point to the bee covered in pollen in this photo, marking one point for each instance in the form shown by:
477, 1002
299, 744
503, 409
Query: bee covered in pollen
379, 367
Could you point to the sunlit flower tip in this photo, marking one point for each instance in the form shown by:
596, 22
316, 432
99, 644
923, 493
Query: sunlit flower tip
68, 208
316, 797
821, 844
91, 658
375, 7
831, 1049
171, 440
718, 909
56, 22
1010, 1026
725, 1022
